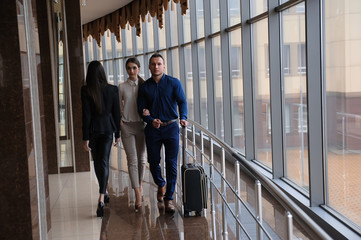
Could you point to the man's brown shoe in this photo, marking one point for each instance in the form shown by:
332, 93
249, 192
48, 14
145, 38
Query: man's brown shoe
160, 193
169, 207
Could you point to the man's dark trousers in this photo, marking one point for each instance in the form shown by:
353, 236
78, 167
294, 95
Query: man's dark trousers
155, 137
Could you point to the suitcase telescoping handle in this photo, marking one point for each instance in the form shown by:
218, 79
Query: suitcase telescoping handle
184, 145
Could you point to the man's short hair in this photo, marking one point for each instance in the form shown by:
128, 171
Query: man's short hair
156, 55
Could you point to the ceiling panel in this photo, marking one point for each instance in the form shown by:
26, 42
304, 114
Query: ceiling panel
98, 8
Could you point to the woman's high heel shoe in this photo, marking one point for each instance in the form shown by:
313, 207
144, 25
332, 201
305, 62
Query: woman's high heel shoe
106, 198
100, 209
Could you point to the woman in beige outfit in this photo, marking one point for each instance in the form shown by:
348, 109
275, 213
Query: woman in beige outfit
132, 128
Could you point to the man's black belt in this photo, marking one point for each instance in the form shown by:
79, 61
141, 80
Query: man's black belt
163, 124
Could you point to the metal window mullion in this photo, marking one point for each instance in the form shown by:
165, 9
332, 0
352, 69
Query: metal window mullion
95, 49
144, 36
104, 47
247, 81
145, 49
114, 62
105, 56
195, 63
170, 62
134, 41
182, 68
114, 48
209, 67
226, 78
314, 100
180, 25
276, 89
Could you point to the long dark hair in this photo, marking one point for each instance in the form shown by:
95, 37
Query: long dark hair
96, 80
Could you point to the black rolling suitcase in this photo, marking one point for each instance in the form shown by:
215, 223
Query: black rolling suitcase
194, 187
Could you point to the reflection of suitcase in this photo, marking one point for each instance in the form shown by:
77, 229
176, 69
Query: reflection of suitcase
194, 186
196, 228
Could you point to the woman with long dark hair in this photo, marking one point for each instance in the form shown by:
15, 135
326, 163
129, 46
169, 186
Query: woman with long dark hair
101, 120
132, 128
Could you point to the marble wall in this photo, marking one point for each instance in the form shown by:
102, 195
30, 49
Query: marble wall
16, 135
27, 123
23, 127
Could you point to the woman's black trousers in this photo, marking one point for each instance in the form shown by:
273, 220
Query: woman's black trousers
100, 145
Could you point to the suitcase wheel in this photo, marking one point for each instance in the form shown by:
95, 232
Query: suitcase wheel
198, 213
186, 214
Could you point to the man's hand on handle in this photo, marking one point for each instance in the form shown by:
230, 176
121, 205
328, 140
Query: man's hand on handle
183, 123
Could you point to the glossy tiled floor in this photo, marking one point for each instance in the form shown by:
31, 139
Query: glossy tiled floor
73, 198
151, 222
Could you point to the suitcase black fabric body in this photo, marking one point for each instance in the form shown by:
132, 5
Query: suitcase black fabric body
194, 186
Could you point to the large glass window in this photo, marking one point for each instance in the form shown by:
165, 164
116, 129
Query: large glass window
119, 47
90, 49
235, 54
234, 12
187, 26
218, 88
173, 24
203, 83
215, 16
164, 54
200, 18
147, 69
175, 63
343, 111
120, 70
142, 68
108, 66
161, 34
295, 97
107, 44
258, 7
189, 80
150, 33
128, 41
99, 50
263, 144
139, 40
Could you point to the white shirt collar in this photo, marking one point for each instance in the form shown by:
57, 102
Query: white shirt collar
132, 83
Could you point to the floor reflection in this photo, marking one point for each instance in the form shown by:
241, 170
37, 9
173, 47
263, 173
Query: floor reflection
120, 220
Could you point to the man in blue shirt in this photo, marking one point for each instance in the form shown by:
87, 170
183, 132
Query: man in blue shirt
161, 94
